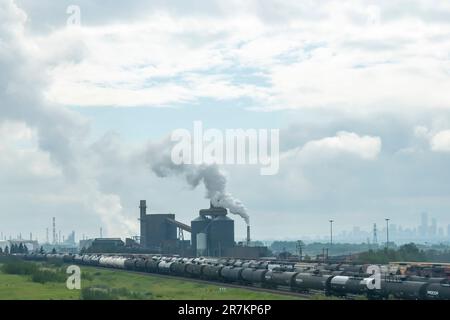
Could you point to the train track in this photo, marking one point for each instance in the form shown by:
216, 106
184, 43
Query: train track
286, 292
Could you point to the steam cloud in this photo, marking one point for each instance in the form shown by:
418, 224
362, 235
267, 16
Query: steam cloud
215, 181
60, 132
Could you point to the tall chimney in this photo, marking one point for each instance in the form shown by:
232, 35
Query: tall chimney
248, 235
54, 230
143, 207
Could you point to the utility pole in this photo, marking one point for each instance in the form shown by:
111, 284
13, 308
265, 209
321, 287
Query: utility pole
375, 237
54, 230
387, 233
300, 249
331, 233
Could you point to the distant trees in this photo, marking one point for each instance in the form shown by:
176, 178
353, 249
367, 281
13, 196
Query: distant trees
16, 248
406, 252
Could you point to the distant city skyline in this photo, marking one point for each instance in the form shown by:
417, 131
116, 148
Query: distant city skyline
423, 233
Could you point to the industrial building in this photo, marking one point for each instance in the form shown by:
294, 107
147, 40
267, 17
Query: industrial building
159, 231
212, 234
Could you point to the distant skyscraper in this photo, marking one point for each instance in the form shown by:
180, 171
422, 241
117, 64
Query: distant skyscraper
424, 225
433, 227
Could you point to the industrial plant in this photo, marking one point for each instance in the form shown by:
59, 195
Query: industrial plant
211, 234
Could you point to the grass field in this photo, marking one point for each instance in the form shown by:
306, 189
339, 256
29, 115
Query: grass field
135, 286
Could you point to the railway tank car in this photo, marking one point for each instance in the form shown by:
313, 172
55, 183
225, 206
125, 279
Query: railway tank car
231, 274
274, 279
141, 265
343, 285
164, 267
438, 291
194, 270
305, 282
78, 259
211, 272
152, 266
253, 276
407, 290
179, 268
68, 258
130, 264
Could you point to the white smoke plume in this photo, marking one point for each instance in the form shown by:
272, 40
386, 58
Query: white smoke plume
24, 66
158, 155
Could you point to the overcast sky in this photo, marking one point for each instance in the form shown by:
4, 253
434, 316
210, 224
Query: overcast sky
360, 91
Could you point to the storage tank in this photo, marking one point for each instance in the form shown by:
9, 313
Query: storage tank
221, 235
198, 225
202, 244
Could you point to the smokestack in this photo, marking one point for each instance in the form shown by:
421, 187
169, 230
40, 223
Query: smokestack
248, 235
101, 232
143, 207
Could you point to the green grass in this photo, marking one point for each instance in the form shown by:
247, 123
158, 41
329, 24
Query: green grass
125, 285
18, 287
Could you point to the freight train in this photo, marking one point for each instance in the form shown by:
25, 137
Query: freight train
331, 280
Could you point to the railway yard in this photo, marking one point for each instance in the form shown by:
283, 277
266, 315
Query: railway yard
401, 280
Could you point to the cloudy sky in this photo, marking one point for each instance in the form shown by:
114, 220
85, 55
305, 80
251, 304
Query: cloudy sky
360, 91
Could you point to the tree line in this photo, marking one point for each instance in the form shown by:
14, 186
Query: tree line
15, 248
